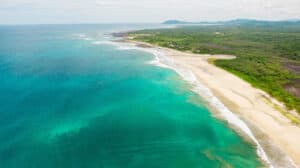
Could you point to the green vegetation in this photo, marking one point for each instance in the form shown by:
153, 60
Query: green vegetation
268, 55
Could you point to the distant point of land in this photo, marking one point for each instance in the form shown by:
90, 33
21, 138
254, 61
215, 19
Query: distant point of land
235, 21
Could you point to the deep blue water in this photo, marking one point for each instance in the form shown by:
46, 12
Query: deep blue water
67, 102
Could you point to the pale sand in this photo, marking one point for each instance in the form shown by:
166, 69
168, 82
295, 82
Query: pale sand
276, 133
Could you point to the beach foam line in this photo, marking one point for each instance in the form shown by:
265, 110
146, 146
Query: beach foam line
161, 60
82, 36
103, 43
118, 45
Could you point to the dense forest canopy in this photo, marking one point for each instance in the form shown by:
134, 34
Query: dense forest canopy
268, 53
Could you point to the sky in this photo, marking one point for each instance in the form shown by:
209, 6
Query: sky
143, 11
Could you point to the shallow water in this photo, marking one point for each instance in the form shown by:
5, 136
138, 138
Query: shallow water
70, 99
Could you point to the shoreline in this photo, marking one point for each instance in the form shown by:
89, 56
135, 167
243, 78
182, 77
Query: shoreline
274, 133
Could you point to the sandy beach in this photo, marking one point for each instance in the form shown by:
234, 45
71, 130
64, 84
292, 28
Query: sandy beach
277, 135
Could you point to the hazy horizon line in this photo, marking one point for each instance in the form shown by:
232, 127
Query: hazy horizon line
159, 22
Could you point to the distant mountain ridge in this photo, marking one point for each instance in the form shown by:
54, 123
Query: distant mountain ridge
178, 22
235, 21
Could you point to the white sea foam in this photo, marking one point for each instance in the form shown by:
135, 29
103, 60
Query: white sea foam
97, 42
103, 43
127, 47
106, 36
159, 58
82, 36
87, 38
227, 114
162, 60
118, 45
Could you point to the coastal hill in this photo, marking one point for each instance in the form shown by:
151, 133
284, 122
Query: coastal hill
178, 22
235, 21
183, 22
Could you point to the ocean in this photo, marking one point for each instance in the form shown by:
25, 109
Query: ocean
69, 97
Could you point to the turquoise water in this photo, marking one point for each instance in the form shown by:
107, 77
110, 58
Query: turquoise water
67, 102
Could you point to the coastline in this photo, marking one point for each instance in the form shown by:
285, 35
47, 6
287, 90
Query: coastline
274, 133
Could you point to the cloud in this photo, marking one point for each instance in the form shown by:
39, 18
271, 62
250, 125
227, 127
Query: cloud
145, 10
109, 3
